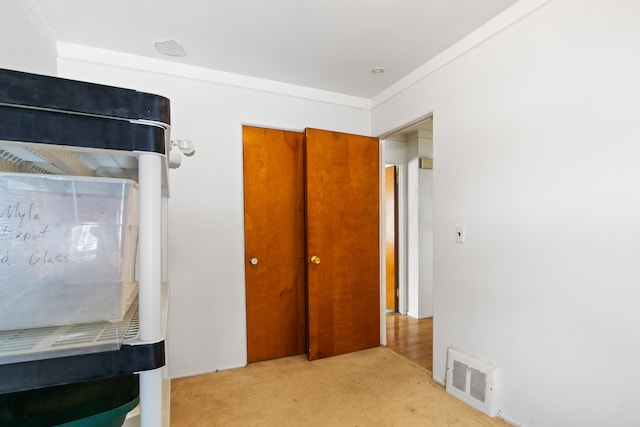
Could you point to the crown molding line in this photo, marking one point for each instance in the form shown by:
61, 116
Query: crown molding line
87, 54
496, 25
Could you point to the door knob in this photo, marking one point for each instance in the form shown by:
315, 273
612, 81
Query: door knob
315, 259
253, 261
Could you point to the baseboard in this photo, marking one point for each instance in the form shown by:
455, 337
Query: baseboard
193, 374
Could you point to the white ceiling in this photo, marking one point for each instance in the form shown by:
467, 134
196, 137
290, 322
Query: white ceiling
324, 44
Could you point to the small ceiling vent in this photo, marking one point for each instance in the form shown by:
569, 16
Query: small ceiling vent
472, 381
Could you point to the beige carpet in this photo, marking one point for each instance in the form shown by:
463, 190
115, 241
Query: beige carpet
375, 387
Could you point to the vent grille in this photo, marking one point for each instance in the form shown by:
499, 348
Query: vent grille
472, 381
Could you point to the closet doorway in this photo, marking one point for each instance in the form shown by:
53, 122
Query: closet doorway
411, 150
315, 194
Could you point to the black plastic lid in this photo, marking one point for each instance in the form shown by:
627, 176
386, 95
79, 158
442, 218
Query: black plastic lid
50, 127
39, 91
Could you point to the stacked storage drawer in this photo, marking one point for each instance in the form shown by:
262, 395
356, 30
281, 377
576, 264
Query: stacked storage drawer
67, 249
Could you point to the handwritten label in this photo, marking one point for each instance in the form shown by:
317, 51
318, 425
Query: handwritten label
48, 258
23, 223
18, 212
34, 234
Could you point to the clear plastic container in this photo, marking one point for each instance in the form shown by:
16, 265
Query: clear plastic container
67, 249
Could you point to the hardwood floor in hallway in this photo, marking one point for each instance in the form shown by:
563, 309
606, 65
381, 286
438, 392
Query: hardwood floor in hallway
411, 338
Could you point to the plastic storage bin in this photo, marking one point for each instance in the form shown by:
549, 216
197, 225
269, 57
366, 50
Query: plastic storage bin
67, 249
100, 403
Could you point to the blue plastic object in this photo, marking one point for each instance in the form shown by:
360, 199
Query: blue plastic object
99, 403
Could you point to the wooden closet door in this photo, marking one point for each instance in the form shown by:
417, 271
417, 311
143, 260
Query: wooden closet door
274, 240
342, 208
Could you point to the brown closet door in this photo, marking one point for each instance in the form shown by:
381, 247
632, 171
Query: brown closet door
274, 240
343, 204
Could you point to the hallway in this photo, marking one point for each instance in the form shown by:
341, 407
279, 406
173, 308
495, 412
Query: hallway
411, 338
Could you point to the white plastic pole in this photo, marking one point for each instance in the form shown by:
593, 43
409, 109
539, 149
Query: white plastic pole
150, 280
150, 247
165, 233
151, 399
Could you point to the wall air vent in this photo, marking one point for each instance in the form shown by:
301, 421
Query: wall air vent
472, 381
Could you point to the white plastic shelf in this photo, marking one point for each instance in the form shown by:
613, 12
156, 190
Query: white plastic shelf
50, 125
42, 357
58, 341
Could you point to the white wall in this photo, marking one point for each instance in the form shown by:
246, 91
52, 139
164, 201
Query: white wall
25, 44
425, 228
206, 224
537, 147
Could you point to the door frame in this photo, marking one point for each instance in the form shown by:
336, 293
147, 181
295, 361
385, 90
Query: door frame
401, 272
396, 283
401, 245
402, 239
